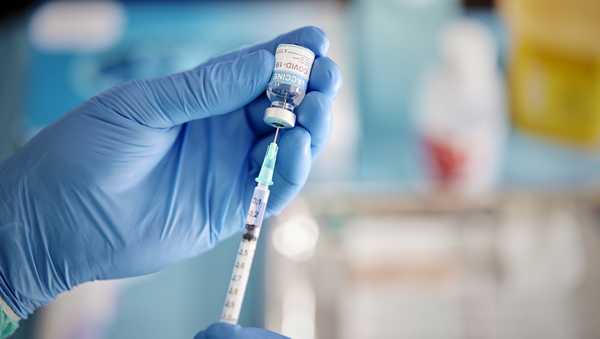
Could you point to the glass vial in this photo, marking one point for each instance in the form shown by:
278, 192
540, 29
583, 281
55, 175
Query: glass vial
287, 86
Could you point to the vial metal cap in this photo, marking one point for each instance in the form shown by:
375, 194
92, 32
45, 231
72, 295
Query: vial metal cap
279, 117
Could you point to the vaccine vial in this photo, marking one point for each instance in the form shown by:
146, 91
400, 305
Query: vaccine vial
287, 86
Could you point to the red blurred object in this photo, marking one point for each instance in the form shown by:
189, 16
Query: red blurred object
447, 162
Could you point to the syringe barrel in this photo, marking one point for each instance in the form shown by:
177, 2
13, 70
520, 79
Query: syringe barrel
239, 281
245, 255
258, 206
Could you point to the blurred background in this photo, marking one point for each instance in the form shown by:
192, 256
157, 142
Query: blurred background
459, 196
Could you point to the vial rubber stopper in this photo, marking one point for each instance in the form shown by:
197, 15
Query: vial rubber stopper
279, 117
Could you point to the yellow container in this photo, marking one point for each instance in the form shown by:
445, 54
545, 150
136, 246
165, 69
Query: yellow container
554, 69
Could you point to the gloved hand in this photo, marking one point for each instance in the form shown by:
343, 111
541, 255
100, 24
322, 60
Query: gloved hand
227, 331
151, 172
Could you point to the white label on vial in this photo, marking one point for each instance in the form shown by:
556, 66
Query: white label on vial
292, 65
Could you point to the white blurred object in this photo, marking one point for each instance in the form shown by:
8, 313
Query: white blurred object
85, 312
541, 255
541, 250
461, 110
296, 238
401, 279
299, 309
82, 26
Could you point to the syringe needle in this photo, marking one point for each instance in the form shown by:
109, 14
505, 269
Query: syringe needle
276, 135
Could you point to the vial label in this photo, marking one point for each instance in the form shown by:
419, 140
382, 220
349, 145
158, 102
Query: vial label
292, 65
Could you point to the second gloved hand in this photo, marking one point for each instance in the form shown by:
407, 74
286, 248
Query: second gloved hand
227, 331
151, 172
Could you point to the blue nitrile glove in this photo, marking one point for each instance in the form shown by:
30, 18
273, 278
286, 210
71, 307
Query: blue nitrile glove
227, 331
151, 172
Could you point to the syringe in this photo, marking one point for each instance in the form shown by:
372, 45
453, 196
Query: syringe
245, 254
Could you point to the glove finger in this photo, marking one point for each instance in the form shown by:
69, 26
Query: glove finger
218, 331
255, 112
259, 333
325, 77
314, 114
310, 37
291, 169
228, 331
210, 89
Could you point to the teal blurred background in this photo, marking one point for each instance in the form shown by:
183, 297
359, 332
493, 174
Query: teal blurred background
409, 147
